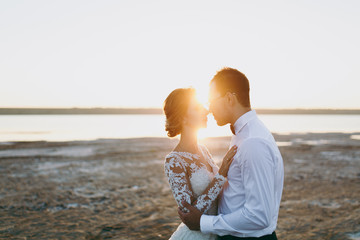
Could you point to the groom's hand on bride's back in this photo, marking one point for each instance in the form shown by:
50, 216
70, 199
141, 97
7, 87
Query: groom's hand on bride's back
192, 218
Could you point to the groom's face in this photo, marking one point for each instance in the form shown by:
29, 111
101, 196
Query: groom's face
217, 106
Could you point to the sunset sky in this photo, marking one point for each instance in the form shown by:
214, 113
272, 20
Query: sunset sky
296, 54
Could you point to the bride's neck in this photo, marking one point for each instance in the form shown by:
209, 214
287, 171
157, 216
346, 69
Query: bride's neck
188, 141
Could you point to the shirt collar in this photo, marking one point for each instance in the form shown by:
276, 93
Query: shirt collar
243, 120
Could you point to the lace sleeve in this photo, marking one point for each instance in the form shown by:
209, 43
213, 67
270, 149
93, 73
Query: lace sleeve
179, 182
204, 201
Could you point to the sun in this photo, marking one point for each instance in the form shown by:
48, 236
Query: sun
202, 95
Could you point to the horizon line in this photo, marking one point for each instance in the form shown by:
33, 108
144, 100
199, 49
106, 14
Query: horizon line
263, 108
114, 110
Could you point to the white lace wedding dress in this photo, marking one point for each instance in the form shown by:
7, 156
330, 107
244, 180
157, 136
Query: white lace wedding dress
191, 180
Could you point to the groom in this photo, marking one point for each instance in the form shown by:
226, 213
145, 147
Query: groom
249, 204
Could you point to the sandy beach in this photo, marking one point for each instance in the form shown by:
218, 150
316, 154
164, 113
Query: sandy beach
116, 188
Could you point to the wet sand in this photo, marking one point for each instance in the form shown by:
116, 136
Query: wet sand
116, 188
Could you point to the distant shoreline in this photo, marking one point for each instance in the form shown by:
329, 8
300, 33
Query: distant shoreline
99, 111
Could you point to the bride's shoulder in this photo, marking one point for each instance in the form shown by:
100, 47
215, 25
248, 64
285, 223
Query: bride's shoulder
173, 157
175, 161
170, 155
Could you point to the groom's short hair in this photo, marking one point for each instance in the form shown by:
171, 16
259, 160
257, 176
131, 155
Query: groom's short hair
234, 81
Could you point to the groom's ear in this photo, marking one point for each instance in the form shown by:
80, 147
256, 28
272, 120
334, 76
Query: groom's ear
230, 99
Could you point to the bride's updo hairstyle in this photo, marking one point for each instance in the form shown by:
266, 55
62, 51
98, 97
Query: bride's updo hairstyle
175, 109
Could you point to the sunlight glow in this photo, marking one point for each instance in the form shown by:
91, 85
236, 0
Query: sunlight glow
202, 94
134, 53
213, 130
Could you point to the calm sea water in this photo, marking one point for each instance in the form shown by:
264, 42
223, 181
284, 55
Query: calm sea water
90, 127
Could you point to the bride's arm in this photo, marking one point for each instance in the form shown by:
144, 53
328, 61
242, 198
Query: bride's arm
178, 179
204, 201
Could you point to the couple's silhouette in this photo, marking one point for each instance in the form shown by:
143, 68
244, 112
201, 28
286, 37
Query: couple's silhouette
241, 199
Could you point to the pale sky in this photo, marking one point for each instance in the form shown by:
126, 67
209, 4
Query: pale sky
296, 54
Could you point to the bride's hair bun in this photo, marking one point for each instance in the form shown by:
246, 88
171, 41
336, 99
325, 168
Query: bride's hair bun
175, 109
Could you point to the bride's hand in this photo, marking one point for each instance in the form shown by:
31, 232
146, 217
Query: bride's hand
227, 161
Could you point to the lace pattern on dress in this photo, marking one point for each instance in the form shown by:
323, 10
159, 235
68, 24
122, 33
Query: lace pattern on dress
175, 169
183, 169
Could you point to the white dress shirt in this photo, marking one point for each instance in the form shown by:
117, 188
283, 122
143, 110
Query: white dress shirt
250, 200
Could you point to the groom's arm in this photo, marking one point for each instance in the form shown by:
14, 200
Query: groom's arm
258, 177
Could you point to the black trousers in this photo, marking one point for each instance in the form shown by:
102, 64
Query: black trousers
266, 237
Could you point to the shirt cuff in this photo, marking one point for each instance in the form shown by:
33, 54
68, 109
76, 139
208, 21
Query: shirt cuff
206, 223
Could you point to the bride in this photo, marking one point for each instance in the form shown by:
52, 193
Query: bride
192, 174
